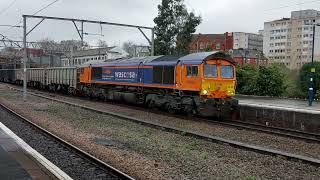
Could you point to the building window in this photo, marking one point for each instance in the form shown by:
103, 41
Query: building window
202, 45
218, 46
306, 28
306, 35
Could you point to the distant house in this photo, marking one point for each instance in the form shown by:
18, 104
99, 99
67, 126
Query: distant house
211, 42
245, 48
248, 56
79, 57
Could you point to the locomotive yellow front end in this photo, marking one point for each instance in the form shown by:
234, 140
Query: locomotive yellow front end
218, 79
218, 87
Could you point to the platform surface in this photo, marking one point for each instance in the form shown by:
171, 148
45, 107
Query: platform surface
15, 163
286, 104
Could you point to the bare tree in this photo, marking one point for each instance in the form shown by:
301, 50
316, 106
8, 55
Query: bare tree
136, 50
49, 45
102, 43
128, 47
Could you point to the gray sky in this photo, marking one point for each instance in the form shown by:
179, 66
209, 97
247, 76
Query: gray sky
218, 16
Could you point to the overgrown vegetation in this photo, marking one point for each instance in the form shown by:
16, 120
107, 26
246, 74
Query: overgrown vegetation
263, 81
276, 80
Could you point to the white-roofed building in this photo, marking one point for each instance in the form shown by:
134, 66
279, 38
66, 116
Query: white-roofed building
98, 54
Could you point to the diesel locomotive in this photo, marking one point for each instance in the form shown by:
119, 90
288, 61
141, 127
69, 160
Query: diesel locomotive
196, 84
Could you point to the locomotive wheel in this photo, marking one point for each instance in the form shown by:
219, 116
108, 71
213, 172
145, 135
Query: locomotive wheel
192, 112
151, 104
170, 108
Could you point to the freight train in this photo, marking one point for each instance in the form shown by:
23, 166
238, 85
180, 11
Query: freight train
196, 84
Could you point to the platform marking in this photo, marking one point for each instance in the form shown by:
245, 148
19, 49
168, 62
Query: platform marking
41, 159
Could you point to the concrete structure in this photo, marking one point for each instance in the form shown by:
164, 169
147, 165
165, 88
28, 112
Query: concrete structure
79, 57
20, 161
277, 112
242, 40
288, 41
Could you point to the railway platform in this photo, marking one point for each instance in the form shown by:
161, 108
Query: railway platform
19, 161
286, 113
297, 105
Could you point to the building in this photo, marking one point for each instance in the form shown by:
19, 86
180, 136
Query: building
210, 42
242, 40
79, 57
288, 41
226, 41
249, 56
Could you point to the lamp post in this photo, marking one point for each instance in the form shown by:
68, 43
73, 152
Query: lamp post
312, 70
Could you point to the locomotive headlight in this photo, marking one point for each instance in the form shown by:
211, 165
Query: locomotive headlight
230, 92
205, 92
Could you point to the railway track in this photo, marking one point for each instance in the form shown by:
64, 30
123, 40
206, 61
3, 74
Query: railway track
309, 137
77, 163
295, 134
185, 132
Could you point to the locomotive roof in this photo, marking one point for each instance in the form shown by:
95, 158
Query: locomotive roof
195, 58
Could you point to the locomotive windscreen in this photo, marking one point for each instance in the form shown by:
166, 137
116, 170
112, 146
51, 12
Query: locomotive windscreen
96, 73
163, 74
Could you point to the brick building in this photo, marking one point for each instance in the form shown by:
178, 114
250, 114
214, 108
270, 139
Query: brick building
211, 42
248, 56
245, 48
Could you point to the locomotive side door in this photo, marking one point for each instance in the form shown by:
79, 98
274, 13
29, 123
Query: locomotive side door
191, 79
140, 73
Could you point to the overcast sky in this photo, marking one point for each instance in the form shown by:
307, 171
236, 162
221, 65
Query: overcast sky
218, 16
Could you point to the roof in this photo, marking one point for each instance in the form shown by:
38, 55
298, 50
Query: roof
247, 53
278, 20
195, 58
91, 52
212, 37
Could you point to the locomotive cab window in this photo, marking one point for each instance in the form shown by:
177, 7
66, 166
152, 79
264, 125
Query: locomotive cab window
210, 71
226, 72
81, 70
192, 71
